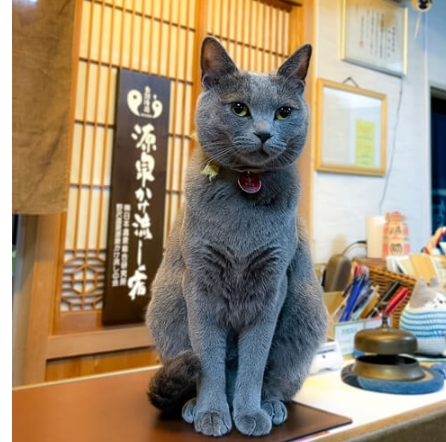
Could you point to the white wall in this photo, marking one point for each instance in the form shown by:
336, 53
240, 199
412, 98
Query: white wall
342, 202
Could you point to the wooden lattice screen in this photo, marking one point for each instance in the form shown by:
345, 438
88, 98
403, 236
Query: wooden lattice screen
58, 301
158, 37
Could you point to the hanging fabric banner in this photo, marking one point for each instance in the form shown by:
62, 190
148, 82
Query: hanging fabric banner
137, 200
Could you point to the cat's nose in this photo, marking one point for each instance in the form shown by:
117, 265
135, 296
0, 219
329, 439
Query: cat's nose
263, 136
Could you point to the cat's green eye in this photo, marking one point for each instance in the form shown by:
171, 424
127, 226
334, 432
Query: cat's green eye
240, 109
283, 112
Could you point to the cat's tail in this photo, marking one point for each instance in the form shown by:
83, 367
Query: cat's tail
175, 383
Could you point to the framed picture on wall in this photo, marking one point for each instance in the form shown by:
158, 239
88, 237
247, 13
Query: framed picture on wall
351, 130
374, 35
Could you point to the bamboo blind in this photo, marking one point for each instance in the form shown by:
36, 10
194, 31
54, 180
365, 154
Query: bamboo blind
159, 37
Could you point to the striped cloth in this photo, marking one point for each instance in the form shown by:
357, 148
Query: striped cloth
425, 317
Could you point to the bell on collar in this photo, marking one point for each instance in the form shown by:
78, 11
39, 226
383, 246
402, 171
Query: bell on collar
249, 182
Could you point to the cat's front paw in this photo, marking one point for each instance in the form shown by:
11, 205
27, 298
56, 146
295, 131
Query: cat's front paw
209, 422
276, 410
255, 423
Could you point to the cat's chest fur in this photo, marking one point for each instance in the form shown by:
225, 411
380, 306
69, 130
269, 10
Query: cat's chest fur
239, 246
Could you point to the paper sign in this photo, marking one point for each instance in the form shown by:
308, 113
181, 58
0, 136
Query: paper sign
344, 333
365, 143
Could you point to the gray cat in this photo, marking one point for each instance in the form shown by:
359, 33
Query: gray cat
236, 311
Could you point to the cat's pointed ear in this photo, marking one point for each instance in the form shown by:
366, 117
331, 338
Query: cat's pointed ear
297, 64
215, 62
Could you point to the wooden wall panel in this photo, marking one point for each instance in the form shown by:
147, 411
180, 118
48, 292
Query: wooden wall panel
59, 369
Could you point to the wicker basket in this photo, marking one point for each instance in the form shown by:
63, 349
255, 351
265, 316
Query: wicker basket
384, 278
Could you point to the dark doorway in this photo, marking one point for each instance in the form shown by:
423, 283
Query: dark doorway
438, 158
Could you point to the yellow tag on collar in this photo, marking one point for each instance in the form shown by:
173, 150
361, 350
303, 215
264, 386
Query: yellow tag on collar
194, 136
211, 170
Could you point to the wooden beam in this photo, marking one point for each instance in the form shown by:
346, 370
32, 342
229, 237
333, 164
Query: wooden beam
308, 34
34, 295
22, 289
281, 4
102, 341
201, 17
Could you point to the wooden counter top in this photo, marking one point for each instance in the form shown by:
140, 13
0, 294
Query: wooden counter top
114, 408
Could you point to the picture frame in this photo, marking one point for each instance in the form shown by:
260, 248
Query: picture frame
351, 130
374, 35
